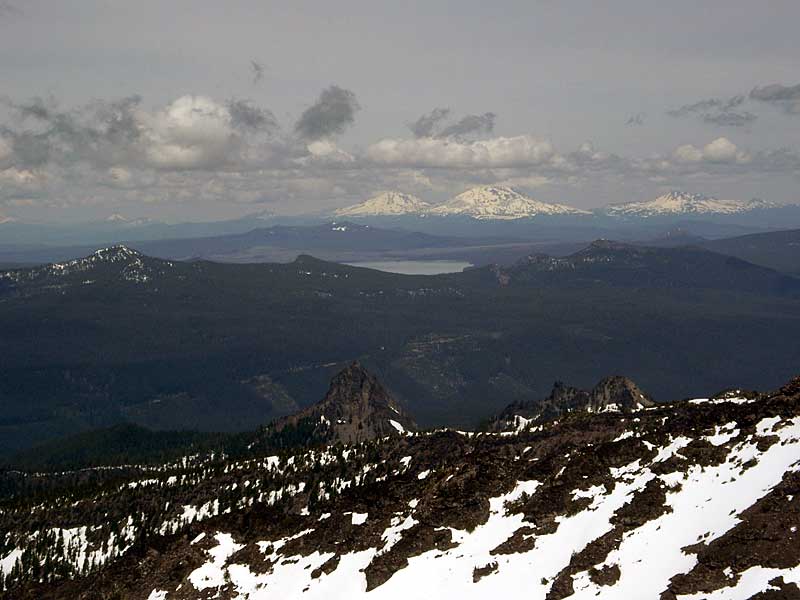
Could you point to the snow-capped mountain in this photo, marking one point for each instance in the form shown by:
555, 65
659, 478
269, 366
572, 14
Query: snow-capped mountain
123, 221
386, 204
498, 202
115, 263
682, 203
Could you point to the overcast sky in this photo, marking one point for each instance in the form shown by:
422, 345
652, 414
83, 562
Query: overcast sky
187, 110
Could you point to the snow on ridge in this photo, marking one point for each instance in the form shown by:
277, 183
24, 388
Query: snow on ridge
133, 267
483, 202
386, 204
705, 502
677, 203
502, 203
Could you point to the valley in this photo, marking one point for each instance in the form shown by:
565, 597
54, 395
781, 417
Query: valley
123, 337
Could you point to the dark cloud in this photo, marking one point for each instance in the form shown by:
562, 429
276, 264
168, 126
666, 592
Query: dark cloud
30, 149
99, 132
471, 124
257, 69
118, 119
636, 120
331, 114
717, 111
785, 97
427, 124
9, 9
730, 118
704, 106
35, 108
246, 117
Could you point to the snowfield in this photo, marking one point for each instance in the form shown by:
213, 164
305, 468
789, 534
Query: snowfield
702, 503
688, 500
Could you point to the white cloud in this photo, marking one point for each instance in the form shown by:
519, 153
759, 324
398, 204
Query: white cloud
525, 181
325, 152
192, 132
22, 176
721, 150
518, 151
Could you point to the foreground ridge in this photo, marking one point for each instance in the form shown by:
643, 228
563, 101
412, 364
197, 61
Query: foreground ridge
693, 499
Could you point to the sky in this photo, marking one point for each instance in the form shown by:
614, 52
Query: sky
201, 110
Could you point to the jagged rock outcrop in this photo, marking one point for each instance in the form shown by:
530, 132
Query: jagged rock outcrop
356, 408
612, 394
687, 500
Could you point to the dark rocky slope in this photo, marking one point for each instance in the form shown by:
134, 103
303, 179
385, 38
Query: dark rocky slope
612, 394
695, 499
356, 408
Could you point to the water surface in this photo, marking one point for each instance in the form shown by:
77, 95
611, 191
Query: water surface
414, 267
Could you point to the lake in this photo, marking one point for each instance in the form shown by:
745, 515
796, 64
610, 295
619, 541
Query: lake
414, 267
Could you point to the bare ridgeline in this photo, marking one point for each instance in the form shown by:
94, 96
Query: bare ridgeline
587, 494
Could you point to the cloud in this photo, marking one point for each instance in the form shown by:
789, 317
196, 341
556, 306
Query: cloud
636, 120
468, 125
704, 106
192, 132
97, 132
9, 9
29, 149
785, 97
721, 151
522, 150
245, 116
257, 69
525, 181
717, 111
428, 124
5, 149
330, 115
730, 118
432, 125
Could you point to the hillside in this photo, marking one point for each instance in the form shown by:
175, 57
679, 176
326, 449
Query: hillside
642, 266
570, 509
122, 337
779, 250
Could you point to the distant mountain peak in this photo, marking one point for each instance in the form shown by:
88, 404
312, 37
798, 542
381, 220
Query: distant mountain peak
113, 262
387, 203
492, 202
116, 253
677, 202
356, 408
605, 244
121, 220
612, 394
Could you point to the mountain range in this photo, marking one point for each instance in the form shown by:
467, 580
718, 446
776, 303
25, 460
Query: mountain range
617, 497
682, 203
118, 336
504, 203
480, 214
